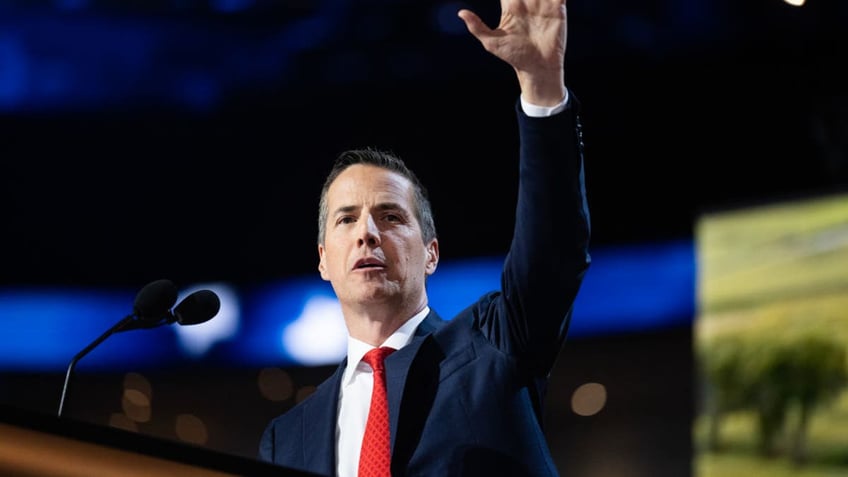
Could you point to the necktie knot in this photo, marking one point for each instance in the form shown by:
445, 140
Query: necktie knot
375, 357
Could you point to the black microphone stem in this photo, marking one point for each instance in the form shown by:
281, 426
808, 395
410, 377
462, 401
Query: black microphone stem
85, 351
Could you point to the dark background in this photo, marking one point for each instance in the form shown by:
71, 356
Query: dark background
688, 107
201, 158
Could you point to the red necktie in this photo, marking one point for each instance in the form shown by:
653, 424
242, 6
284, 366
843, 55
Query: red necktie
375, 456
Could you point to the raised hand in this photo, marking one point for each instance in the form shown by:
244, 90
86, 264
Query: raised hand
531, 37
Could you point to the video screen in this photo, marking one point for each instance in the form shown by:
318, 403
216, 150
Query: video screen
771, 334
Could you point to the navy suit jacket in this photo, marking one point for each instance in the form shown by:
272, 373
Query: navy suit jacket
466, 395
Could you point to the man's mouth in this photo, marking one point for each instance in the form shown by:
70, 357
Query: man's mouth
368, 263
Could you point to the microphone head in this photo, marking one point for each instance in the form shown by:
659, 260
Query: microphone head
155, 300
198, 307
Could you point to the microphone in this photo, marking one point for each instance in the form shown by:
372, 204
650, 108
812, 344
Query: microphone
199, 307
152, 308
152, 305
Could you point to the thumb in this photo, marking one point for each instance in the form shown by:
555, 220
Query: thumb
474, 24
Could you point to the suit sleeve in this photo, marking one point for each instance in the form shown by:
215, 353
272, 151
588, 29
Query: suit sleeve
267, 443
549, 253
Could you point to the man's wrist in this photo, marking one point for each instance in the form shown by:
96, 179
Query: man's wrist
535, 111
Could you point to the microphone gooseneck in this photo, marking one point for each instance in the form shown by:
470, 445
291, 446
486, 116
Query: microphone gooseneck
152, 304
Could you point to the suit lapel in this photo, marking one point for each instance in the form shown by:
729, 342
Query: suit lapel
410, 373
319, 438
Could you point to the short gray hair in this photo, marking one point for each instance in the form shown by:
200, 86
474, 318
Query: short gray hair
385, 160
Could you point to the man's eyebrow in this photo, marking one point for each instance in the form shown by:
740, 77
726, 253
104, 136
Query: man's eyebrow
345, 209
381, 207
389, 206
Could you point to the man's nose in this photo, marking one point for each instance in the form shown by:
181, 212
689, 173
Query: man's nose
369, 234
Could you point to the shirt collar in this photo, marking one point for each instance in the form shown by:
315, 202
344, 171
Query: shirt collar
356, 349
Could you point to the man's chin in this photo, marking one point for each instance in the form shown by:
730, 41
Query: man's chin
375, 294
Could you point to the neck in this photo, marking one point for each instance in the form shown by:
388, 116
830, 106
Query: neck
374, 324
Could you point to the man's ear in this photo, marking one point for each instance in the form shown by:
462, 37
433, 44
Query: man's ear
322, 266
432, 257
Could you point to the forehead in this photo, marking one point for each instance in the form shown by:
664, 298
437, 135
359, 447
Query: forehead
362, 183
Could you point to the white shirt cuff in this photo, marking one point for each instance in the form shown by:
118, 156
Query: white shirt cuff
543, 111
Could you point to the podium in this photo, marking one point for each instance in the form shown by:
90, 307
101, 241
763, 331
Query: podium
36, 445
